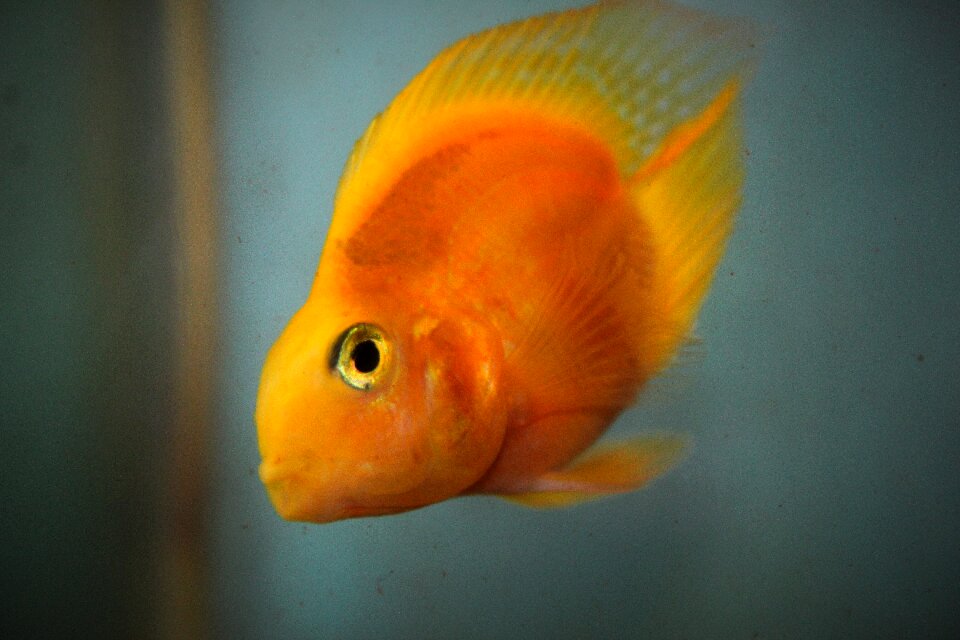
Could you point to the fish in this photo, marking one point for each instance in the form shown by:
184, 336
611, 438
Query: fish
519, 242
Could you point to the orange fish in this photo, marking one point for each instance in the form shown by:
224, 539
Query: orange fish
519, 242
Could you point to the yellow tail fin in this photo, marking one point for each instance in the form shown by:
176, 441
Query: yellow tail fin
688, 193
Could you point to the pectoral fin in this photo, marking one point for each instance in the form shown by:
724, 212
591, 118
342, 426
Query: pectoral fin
607, 469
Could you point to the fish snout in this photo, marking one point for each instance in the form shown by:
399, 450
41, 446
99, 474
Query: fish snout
297, 491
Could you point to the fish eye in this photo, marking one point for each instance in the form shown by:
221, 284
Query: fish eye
360, 356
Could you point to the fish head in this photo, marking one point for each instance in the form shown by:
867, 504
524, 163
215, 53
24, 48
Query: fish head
365, 413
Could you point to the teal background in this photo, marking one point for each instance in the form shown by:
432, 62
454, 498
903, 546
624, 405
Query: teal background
821, 498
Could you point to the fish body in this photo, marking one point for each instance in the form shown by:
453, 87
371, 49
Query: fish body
519, 242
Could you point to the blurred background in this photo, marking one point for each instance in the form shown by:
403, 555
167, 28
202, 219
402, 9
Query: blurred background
166, 177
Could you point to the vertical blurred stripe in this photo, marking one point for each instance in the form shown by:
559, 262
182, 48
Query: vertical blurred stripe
184, 606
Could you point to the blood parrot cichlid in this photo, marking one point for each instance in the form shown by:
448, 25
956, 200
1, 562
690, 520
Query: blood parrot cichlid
519, 242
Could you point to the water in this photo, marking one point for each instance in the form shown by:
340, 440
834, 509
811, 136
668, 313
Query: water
822, 498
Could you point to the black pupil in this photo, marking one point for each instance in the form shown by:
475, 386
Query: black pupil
365, 356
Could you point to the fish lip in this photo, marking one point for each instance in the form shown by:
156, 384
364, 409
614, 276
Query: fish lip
273, 471
280, 477
276, 468
285, 480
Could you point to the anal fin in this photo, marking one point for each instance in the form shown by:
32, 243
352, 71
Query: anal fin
606, 469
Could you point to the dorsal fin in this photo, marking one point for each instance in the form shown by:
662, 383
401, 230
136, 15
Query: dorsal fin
628, 71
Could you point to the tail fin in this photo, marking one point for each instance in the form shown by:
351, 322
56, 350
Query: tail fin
688, 193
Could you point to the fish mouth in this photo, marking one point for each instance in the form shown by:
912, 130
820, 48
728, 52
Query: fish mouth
300, 493
296, 494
